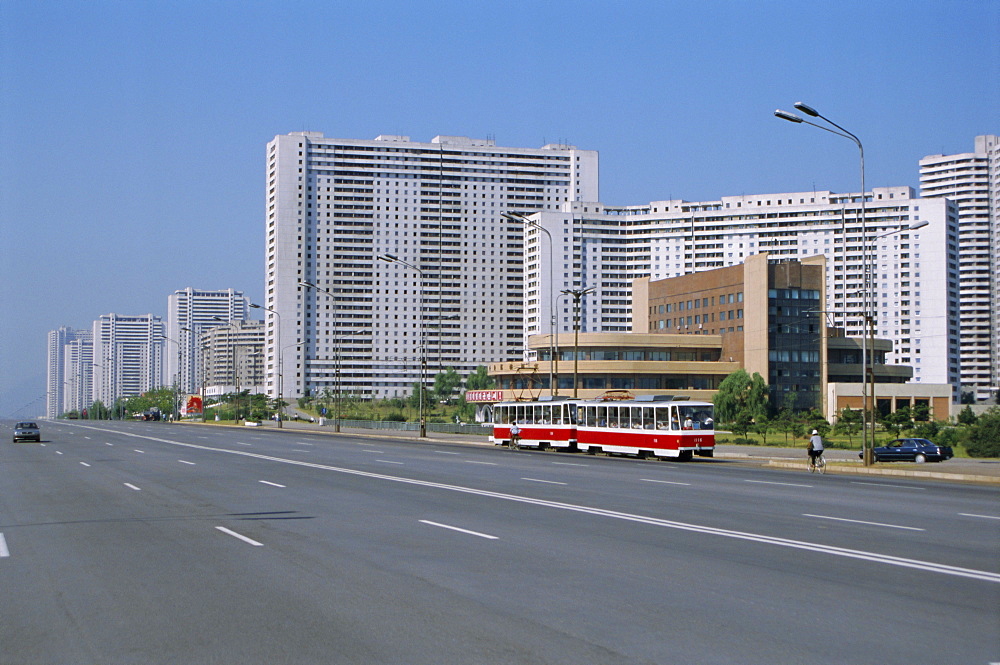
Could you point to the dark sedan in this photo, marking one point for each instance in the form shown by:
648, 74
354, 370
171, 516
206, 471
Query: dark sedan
913, 450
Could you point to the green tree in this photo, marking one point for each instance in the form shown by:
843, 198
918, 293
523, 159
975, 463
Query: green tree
897, 420
762, 425
741, 398
480, 380
967, 416
849, 423
984, 435
445, 384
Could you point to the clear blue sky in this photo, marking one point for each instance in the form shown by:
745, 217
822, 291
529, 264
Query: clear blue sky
132, 134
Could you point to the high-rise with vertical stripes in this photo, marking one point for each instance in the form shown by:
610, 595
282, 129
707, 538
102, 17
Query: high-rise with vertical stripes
456, 294
972, 180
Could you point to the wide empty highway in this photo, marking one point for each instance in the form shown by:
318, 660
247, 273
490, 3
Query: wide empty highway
156, 543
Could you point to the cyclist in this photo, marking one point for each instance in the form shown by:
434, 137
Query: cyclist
815, 448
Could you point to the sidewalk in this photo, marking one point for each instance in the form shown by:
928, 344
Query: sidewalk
840, 461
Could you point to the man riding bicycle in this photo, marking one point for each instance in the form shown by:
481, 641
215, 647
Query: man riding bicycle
815, 448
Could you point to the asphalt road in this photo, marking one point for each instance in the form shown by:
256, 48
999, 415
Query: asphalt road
156, 543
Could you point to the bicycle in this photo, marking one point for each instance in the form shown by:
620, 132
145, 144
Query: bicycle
817, 464
513, 443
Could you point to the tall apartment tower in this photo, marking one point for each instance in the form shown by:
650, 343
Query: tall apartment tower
453, 296
191, 312
69, 376
915, 272
972, 180
128, 356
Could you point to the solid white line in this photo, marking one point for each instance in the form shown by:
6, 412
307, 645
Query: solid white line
455, 528
769, 482
241, 537
266, 482
132, 487
666, 482
84, 463
842, 519
902, 487
4, 552
819, 548
985, 517
469, 461
184, 461
550, 482
385, 461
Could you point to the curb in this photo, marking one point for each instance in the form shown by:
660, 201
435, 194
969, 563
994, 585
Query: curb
832, 467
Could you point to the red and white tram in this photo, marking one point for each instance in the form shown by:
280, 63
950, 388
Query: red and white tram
647, 426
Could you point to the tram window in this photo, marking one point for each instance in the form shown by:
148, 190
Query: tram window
662, 418
648, 421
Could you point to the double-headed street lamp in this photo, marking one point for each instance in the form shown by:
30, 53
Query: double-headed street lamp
553, 359
281, 367
577, 295
867, 449
389, 258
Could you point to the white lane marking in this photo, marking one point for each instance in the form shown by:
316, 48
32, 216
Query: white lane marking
843, 519
771, 482
139, 451
267, 482
445, 452
184, 461
58, 452
469, 461
902, 487
202, 437
303, 443
108, 444
550, 482
985, 517
132, 487
385, 461
4, 552
875, 557
369, 450
84, 463
87, 438
455, 528
240, 536
240, 443
569, 464
665, 482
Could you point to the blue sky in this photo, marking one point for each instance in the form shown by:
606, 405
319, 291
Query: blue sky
132, 133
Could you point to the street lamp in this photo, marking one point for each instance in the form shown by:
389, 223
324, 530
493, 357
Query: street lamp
578, 295
553, 360
175, 413
867, 450
389, 258
281, 366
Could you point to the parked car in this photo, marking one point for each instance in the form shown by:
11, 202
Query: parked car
912, 450
26, 432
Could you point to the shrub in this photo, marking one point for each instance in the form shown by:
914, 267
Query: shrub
396, 417
984, 436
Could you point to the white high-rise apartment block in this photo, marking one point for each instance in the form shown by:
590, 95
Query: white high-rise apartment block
234, 358
191, 312
455, 296
69, 371
128, 356
915, 272
972, 180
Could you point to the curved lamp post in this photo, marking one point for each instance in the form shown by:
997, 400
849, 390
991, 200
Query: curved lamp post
866, 298
389, 258
577, 295
553, 359
281, 367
